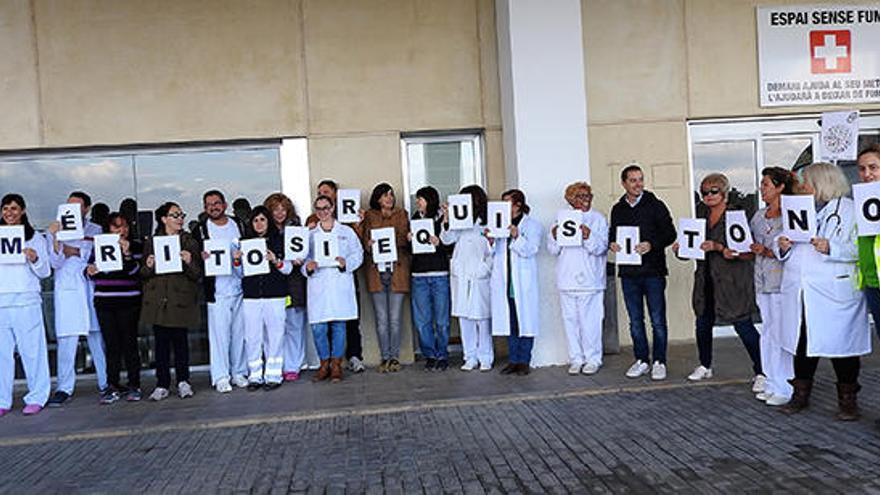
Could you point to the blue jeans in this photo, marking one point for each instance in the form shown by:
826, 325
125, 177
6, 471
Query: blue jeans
637, 290
519, 348
335, 347
430, 313
872, 294
746, 330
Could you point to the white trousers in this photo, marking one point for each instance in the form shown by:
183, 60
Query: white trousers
66, 360
226, 339
263, 334
778, 364
22, 327
476, 339
582, 315
299, 343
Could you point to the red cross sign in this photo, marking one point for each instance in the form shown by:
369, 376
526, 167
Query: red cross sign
830, 52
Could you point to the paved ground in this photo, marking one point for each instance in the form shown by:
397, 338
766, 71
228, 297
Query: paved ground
456, 432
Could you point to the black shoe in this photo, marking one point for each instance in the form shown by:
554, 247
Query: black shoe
58, 399
252, 386
442, 365
430, 364
510, 369
109, 396
271, 385
523, 369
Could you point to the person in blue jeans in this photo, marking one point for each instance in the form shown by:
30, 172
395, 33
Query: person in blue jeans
430, 286
645, 282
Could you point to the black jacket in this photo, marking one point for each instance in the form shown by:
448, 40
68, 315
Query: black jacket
655, 225
201, 234
438, 261
272, 284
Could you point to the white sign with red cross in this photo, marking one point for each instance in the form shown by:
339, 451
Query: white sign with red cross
819, 54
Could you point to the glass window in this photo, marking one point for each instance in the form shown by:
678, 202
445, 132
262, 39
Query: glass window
448, 162
734, 159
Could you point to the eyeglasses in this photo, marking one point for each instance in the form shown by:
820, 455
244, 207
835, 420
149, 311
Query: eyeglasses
181, 215
707, 192
583, 196
323, 208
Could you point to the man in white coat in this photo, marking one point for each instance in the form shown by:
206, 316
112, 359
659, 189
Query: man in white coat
515, 300
75, 314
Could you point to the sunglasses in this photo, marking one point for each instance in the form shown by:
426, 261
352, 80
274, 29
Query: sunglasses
713, 191
323, 208
176, 216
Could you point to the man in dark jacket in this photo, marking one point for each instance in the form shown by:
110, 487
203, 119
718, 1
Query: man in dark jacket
645, 282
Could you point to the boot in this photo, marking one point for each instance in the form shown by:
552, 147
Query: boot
847, 405
323, 371
335, 370
800, 399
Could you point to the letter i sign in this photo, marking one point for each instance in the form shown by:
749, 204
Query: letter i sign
830, 51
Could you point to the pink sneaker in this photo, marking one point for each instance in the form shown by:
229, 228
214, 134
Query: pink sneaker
31, 409
290, 376
4, 412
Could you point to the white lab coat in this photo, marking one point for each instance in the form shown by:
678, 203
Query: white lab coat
331, 295
524, 274
73, 292
835, 309
469, 272
582, 268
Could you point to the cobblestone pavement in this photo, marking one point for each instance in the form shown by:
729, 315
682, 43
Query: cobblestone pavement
673, 438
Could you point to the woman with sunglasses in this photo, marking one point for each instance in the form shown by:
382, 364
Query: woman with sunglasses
724, 290
170, 303
824, 314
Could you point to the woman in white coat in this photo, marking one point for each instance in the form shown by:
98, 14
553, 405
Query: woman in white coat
581, 280
824, 313
469, 270
514, 284
21, 314
330, 290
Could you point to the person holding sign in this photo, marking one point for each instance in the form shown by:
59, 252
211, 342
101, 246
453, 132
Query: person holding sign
298, 345
823, 311
514, 284
581, 280
118, 304
869, 245
645, 282
330, 291
264, 301
75, 314
223, 296
430, 282
387, 282
470, 271
724, 291
171, 301
21, 311
766, 225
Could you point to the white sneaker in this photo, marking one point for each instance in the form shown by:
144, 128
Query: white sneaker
777, 400
356, 365
658, 371
763, 396
239, 381
759, 383
159, 394
590, 369
700, 373
469, 365
184, 390
223, 386
638, 369
575, 369
485, 366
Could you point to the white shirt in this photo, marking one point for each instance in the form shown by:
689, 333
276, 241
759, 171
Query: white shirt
225, 285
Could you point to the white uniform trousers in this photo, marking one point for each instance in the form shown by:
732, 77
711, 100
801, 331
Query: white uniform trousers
582, 315
66, 360
299, 343
263, 334
777, 363
226, 339
476, 339
22, 327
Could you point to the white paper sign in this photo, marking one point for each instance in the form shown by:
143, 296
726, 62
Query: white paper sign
866, 197
738, 234
628, 239
108, 253
326, 248
384, 248
253, 257
296, 243
348, 205
219, 261
460, 211
498, 219
70, 218
691, 233
839, 135
12, 244
167, 254
422, 231
568, 228
798, 217
818, 54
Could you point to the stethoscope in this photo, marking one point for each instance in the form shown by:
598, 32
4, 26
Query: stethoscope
835, 216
